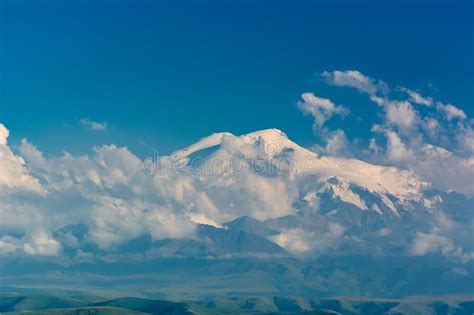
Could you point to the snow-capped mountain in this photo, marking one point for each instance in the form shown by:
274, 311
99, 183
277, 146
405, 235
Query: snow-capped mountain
224, 157
257, 205
307, 203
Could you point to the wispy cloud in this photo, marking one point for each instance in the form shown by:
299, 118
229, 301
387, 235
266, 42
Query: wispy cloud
93, 125
417, 98
355, 79
320, 108
451, 111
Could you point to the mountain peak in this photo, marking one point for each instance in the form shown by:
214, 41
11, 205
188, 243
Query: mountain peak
204, 143
248, 224
308, 166
274, 139
270, 133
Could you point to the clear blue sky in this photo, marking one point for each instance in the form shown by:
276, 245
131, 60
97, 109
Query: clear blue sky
162, 74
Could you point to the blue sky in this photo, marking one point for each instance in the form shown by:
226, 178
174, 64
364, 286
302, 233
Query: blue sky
163, 75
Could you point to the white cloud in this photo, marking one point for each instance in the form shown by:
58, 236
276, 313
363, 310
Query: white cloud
293, 240
415, 97
465, 138
336, 230
401, 114
355, 79
42, 244
4, 133
337, 144
8, 245
398, 113
450, 111
432, 127
445, 170
320, 108
396, 150
200, 218
107, 191
302, 242
442, 168
38, 243
13, 171
93, 125
436, 142
111, 193
433, 243
384, 231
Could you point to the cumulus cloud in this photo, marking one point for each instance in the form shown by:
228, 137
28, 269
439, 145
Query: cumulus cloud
336, 143
450, 111
465, 138
445, 170
396, 149
433, 243
320, 108
4, 133
93, 125
13, 172
436, 143
42, 244
302, 242
294, 240
108, 191
431, 126
112, 195
401, 114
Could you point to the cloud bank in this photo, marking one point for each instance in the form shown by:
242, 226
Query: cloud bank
433, 139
